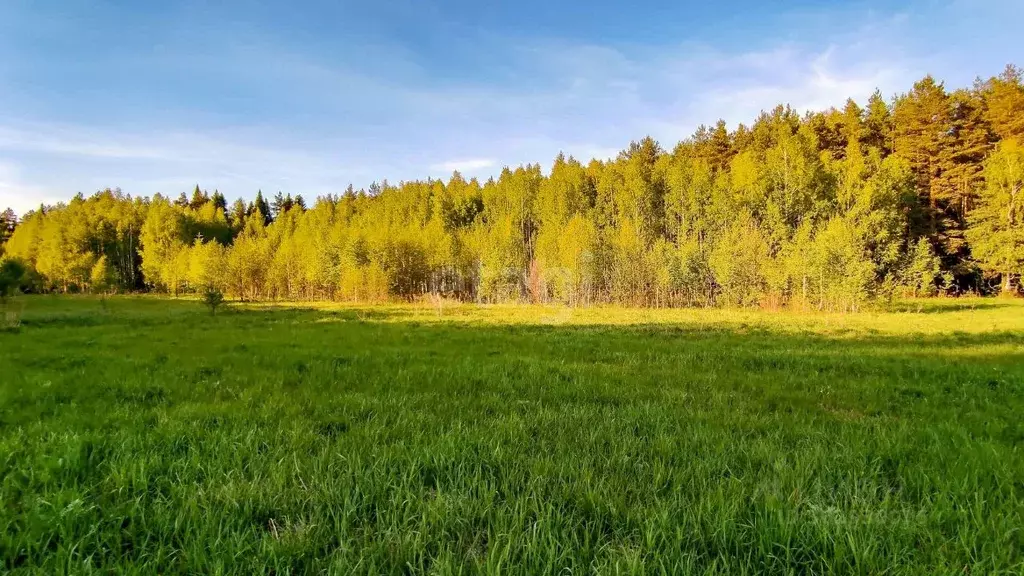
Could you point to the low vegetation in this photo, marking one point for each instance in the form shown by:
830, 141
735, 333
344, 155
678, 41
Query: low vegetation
459, 439
213, 298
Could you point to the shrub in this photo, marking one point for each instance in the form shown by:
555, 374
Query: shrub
213, 298
12, 273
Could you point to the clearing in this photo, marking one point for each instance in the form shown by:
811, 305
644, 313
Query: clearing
142, 435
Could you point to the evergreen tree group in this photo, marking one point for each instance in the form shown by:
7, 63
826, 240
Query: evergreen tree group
915, 196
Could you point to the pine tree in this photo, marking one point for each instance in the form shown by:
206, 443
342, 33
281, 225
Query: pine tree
260, 205
278, 205
960, 158
877, 124
8, 222
198, 198
1004, 103
714, 145
236, 216
997, 224
220, 201
921, 121
941, 138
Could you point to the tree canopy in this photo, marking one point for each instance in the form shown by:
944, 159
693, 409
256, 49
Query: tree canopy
825, 210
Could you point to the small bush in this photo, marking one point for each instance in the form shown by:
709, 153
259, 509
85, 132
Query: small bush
10, 316
11, 274
213, 298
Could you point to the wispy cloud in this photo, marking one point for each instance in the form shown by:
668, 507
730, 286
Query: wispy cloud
339, 124
463, 165
20, 195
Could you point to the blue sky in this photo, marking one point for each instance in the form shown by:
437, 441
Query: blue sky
306, 97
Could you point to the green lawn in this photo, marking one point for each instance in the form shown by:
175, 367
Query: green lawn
145, 436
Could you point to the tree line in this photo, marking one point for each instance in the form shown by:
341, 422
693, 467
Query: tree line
918, 195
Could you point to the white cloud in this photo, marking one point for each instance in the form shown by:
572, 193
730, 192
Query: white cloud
19, 195
70, 159
338, 125
468, 165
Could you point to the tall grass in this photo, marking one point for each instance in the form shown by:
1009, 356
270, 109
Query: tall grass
154, 438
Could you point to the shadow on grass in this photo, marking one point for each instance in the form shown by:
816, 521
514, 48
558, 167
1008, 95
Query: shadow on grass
948, 305
988, 365
172, 350
49, 312
165, 353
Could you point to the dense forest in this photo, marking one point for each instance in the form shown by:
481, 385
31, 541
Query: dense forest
918, 195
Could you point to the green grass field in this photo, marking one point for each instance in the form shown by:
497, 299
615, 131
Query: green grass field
145, 436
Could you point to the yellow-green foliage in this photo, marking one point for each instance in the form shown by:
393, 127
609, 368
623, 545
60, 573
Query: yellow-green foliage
826, 211
997, 234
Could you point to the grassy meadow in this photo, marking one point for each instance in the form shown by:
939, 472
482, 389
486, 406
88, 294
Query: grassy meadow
141, 435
